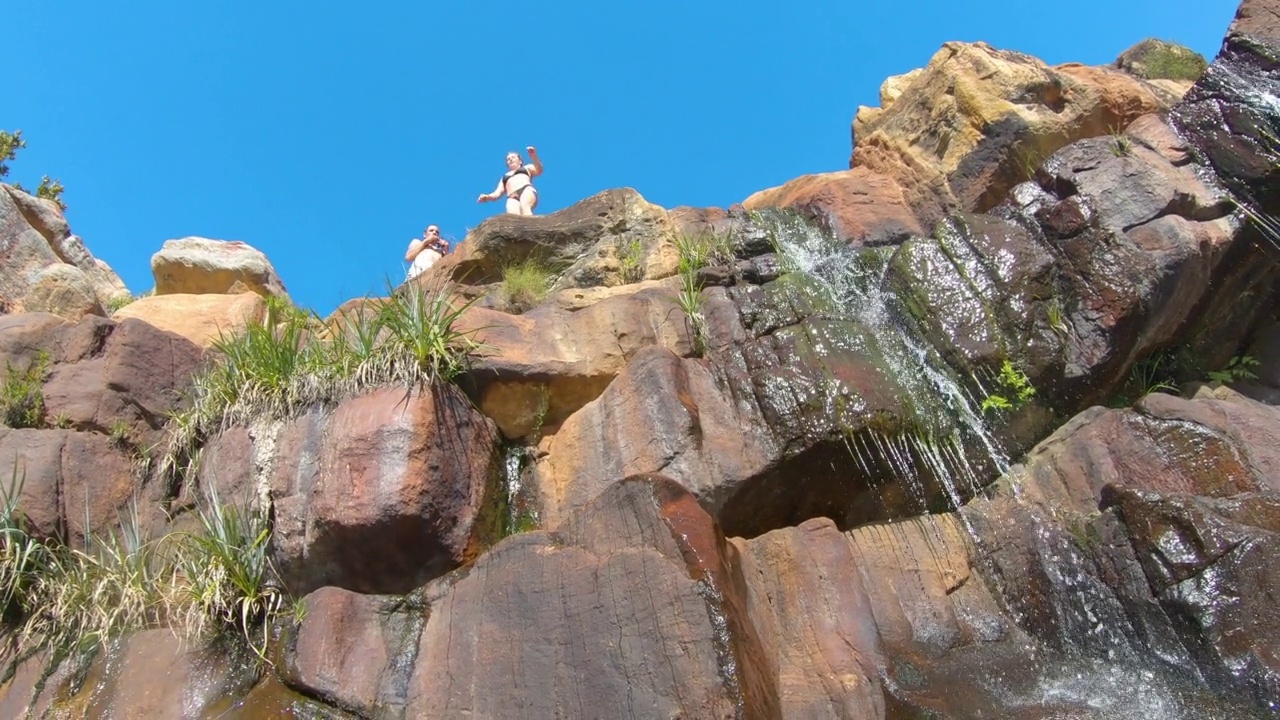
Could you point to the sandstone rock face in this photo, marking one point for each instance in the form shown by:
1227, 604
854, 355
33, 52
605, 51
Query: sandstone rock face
63, 290
202, 319
583, 244
1225, 122
1211, 448
859, 205
645, 560
1122, 252
197, 266
34, 236
107, 392
348, 651
976, 121
540, 367
381, 493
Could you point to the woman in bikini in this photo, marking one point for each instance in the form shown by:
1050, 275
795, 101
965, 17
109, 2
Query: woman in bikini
517, 184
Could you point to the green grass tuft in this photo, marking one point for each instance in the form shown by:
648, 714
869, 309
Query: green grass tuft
22, 394
524, 285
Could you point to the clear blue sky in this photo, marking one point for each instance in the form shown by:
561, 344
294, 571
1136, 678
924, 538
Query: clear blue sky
328, 134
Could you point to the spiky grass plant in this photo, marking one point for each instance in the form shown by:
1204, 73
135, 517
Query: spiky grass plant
81, 599
215, 580
279, 367
226, 578
694, 253
21, 555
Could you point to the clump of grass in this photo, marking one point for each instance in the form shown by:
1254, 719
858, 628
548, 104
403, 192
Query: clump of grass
227, 577
1121, 145
630, 258
116, 302
71, 601
279, 367
524, 285
22, 393
694, 253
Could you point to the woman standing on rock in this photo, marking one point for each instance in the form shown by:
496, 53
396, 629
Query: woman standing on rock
517, 184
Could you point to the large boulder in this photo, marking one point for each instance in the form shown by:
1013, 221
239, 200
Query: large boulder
35, 237
195, 265
380, 493
202, 319
583, 245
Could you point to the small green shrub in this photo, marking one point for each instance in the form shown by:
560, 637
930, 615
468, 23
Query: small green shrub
118, 301
10, 144
1236, 370
524, 285
1016, 390
630, 260
51, 190
22, 395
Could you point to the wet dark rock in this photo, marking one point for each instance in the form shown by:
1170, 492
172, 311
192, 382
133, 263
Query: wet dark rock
1229, 116
1211, 563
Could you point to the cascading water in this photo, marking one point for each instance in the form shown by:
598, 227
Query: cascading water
951, 440
1082, 658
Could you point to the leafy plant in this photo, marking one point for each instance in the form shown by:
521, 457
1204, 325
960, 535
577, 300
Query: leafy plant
10, 144
524, 285
1016, 389
22, 394
1121, 144
51, 190
694, 252
62, 421
226, 572
630, 259
1236, 370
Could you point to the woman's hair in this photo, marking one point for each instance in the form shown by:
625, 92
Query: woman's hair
518, 155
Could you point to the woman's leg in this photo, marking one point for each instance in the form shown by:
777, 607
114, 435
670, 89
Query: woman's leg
513, 206
528, 200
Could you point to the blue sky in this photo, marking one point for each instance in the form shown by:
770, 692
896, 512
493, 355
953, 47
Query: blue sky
328, 134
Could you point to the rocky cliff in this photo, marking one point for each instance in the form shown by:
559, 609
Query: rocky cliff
795, 459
